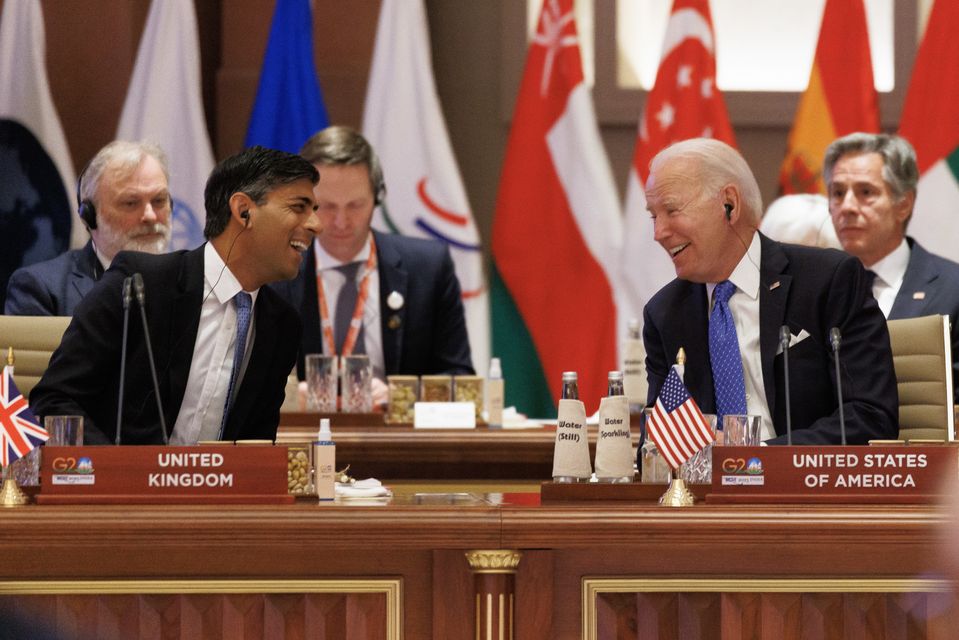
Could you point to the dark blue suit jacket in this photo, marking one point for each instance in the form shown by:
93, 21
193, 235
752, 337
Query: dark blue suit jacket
930, 286
84, 372
804, 288
427, 335
53, 287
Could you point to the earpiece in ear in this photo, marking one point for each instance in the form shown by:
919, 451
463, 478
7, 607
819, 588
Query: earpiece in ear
246, 216
729, 211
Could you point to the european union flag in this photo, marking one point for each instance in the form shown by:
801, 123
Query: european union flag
289, 105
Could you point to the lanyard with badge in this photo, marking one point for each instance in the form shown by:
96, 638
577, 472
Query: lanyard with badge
357, 321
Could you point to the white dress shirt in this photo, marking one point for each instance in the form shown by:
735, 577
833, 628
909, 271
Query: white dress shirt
744, 307
890, 272
201, 412
334, 280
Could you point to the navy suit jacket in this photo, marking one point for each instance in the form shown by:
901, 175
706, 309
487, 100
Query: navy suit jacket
427, 335
84, 372
53, 287
930, 286
806, 289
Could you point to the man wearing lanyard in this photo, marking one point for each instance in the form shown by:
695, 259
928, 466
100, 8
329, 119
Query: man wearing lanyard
394, 298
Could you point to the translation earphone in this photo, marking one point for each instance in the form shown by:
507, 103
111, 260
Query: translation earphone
246, 216
729, 211
85, 207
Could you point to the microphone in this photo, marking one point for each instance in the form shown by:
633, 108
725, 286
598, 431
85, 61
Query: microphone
141, 299
784, 336
835, 339
127, 298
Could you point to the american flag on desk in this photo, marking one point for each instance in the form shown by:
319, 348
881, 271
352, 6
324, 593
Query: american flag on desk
676, 424
20, 432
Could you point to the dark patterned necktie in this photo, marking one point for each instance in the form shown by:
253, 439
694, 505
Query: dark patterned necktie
345, 306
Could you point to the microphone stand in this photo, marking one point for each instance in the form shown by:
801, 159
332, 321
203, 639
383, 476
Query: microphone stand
784, 336
141, 299
127, 297
835, 338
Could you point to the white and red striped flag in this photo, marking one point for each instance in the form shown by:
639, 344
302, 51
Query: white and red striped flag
20, 432
676, 424
557, 230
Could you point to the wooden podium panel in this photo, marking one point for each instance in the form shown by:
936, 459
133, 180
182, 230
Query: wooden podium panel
749, 571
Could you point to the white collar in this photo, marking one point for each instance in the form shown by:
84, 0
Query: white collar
219, 277
746, 274
892, 268
325, 261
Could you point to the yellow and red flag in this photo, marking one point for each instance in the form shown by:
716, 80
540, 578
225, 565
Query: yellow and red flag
840, 99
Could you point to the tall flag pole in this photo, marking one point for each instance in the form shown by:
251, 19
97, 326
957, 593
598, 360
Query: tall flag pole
684, 103
840, 99
289, 105
929, 122
36, 201
164, 105
404, 122
557, 229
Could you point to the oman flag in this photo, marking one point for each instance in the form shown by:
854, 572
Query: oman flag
930, 123
840, 98
557, 228
684, 103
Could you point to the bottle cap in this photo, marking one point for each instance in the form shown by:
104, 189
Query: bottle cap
615, 375
325, 435
570, 375
495, 370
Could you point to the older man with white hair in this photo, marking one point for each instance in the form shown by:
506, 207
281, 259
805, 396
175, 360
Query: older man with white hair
123, 198
736, 289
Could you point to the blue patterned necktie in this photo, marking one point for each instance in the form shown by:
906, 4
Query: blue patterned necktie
727, 366
244, 304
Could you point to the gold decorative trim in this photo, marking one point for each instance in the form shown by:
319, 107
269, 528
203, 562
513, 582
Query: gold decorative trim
392, 588
593, 587
493, 560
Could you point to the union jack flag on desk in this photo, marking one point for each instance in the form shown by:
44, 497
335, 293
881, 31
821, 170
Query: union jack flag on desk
676, 424
19, 431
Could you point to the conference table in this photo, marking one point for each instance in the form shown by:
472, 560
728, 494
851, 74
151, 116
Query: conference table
478, 557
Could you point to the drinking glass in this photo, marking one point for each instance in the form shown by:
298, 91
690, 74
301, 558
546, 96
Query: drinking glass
320, 383
357, 384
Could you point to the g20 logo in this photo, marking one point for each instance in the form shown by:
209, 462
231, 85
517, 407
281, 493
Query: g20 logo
64, 464
734, 465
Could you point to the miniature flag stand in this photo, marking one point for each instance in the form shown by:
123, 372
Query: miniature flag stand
678, 429
19, 433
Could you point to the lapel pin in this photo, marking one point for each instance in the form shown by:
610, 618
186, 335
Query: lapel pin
919, 295
394, 322
774, 285
395, 300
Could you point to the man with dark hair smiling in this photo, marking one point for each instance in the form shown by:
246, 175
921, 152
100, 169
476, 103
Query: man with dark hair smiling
224, 344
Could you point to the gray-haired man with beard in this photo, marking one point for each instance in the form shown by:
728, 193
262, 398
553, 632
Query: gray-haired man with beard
123, 198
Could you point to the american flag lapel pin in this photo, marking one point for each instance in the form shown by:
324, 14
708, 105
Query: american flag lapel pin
919, 295
774, 285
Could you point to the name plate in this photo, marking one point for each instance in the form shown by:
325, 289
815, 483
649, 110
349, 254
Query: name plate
444, 415
857, 474
161, 474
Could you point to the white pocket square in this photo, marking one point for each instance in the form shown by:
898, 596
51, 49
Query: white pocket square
794, 339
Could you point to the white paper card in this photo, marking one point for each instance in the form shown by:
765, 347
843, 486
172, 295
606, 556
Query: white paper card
614, 449
571, 447
444, 415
